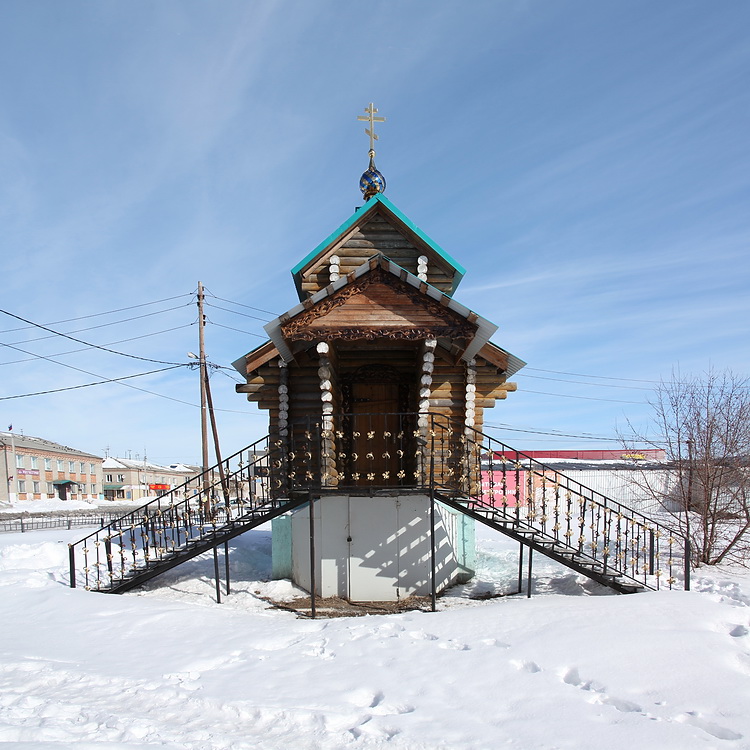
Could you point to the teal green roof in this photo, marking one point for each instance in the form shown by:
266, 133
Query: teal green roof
357, 216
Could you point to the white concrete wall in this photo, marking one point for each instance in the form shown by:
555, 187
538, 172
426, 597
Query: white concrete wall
374, 548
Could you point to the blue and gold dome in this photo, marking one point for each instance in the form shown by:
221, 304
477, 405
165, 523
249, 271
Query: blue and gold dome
372, 181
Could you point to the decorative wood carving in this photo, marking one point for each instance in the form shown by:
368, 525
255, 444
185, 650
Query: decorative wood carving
447, 323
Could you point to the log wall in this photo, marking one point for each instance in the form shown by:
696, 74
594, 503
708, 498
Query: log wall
377, 235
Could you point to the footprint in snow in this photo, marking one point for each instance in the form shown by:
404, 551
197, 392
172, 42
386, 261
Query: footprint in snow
373, 700
454, 645
528, 666
715, 730
420, 635
494, 642
598, 691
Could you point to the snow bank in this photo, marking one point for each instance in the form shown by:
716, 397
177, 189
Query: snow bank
568, 668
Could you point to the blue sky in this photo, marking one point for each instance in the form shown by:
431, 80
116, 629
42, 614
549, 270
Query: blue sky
586, 162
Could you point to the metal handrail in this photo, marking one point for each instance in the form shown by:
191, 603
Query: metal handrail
373, 451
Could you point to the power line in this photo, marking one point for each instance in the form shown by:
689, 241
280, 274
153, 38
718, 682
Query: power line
587, 398
598, 385
96, 315
237, 312
249, 307
88, 385
222, 370
96, 375
119, 380
86, 343
552, 434
103, 325
606, 377
229, 328
110, 343
601, 377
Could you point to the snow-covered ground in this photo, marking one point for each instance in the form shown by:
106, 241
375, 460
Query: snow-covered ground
573, 667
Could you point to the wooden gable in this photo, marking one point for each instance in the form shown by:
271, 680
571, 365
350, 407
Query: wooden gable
378, 228
377, 305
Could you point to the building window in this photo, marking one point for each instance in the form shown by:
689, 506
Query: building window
36, 488
48, 464
92, 469
71, 466
19, 461
34, 462
21, 485
93, 489
82, 467
120, 477
60, 465
121, 494
108, 478
50, 488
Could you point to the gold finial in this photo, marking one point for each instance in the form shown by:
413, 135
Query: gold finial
370, 111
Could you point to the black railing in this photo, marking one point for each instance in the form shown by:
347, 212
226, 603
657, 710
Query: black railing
196, 510
394, 452
509, 486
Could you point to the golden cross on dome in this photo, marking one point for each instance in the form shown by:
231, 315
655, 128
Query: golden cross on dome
370, 111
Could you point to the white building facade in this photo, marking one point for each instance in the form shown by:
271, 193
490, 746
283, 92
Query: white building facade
39, 469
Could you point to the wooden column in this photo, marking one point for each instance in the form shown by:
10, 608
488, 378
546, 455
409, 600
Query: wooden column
329, 477
470, 446
425, 390
282, 443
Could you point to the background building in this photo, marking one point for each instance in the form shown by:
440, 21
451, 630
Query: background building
38, 469
126, 479
640, 478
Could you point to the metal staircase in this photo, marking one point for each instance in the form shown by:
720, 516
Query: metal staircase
550, 513
473, 473
199, 515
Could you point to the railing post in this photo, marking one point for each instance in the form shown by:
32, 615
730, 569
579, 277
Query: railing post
108, 553
651, 551
72, 561
216, 576
433, 592
312, 555
528, 583
688, 552
520, 567
226, 563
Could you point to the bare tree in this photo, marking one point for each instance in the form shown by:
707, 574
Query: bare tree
703, 423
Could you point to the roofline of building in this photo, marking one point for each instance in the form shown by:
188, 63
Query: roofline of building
369, 206
485, 329
30, 442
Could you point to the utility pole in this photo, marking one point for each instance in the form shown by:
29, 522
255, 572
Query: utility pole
203, 379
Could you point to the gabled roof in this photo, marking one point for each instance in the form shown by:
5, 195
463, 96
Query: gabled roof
377, 203
484, 328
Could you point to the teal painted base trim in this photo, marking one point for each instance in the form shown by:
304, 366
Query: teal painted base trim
281, 547
466, 544
466, 547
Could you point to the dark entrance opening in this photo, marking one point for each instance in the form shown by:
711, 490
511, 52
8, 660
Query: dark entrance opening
378, 424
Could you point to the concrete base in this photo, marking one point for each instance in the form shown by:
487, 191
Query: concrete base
373, 548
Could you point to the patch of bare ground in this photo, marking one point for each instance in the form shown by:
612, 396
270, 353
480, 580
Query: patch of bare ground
335, 606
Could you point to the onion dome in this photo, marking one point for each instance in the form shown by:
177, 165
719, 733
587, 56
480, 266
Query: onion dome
371, 182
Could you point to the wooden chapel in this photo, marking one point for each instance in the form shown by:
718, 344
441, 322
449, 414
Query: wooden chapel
356, 378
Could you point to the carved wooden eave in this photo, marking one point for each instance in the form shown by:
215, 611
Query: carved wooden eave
441, 315
256, 358
378, 305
